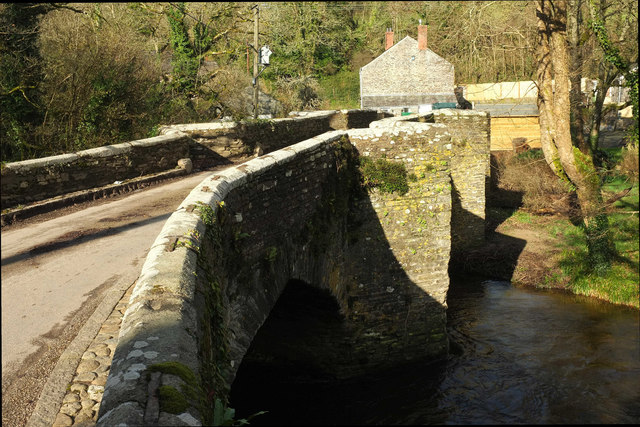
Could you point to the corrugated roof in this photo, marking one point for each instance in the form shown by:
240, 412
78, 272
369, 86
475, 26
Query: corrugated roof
506, 110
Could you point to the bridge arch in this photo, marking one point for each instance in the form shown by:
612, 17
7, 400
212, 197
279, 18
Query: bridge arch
301, 335
226, 255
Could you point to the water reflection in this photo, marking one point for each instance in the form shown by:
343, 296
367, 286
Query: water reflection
540, 357
519, 356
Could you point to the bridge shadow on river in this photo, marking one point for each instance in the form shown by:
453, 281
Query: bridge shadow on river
278, 373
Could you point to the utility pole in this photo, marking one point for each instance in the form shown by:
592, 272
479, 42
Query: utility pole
256, 53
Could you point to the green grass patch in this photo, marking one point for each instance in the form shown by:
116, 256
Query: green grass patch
620, 284
521, 217
388, 176
616, 182
341, 90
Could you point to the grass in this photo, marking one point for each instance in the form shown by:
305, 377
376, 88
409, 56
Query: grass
542, 199
341, 90
522, 217
620, 284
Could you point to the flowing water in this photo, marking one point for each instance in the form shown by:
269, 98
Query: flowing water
517, 356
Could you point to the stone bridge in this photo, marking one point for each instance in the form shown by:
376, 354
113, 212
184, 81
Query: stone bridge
312, 217
303, 218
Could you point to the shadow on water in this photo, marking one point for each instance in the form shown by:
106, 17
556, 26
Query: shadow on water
523, 357
530, 356
287, 369
274, 375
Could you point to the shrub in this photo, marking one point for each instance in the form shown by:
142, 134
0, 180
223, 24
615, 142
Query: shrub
530, 180
341, 90
297, 93
98, 81
629, 162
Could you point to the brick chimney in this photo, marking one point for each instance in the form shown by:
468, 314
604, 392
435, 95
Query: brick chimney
388, 39
422, 36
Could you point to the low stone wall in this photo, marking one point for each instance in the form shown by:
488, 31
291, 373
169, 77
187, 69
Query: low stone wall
216, 143
206, 144
38, 179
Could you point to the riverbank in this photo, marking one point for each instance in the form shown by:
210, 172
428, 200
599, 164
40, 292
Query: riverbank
541, 247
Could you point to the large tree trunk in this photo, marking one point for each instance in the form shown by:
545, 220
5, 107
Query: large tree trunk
567, 161
545, 94
577, 119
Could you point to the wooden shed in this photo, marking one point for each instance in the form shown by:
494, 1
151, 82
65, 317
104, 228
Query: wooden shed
504, 129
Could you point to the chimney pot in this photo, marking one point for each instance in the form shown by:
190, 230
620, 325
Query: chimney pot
422, 37
388, 39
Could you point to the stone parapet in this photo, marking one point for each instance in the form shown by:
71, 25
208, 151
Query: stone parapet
39, 179
205, 144
215, 143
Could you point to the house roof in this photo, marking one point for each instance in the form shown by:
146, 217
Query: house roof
408, 42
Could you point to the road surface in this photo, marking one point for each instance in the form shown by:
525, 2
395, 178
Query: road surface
55, 273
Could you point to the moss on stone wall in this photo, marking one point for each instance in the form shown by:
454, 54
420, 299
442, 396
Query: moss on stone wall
388, 176
178, 401
171, 400
213, 349
337, 195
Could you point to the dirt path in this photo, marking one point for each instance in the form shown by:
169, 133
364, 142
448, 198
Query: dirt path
57, 268
521, 253
537, 258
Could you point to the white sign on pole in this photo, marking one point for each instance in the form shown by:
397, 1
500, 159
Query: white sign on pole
265, 52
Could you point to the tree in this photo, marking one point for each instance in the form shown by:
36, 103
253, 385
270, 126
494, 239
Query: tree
309, 38
615, 63
566, 160
574, 24
99, 79
200, 33
20, 72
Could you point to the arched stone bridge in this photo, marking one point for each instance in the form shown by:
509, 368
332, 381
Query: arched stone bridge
302, 216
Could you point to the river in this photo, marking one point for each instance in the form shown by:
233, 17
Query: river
518, 356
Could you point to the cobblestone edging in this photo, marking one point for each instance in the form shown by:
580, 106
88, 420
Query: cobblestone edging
81, 402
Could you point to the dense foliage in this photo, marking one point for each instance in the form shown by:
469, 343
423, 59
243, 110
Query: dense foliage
80, 75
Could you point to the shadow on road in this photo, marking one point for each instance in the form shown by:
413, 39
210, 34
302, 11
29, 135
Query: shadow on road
79, 237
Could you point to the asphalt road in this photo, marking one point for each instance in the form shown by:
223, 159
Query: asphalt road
55, 273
